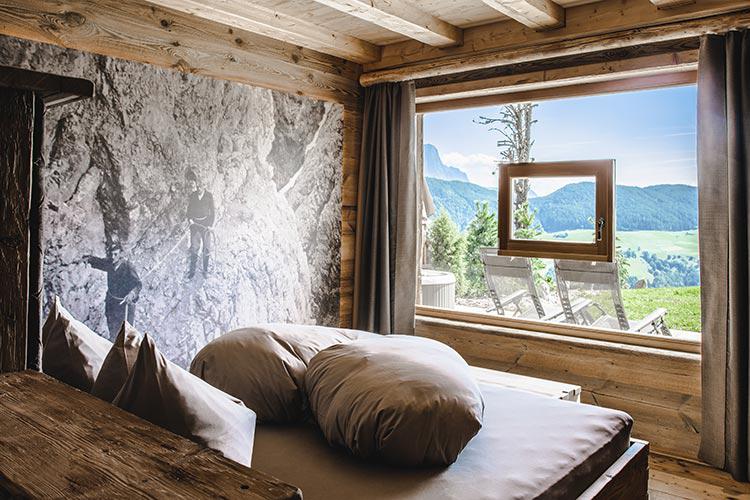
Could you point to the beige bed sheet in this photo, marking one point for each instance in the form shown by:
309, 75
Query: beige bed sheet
530, 446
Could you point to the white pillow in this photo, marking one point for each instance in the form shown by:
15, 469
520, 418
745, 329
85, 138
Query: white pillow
118, 363
161, 392
71, 352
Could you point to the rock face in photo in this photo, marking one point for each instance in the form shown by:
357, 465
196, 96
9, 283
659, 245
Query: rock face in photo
116, 173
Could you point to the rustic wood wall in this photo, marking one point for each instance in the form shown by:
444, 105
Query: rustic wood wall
660, 389
139, 31
16, 141
349, 185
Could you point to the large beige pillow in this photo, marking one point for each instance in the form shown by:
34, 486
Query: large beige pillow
399, 399
265, 365
161, 392
118, 363
71, 352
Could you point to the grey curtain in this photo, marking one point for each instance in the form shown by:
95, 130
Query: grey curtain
724, 191
387, 217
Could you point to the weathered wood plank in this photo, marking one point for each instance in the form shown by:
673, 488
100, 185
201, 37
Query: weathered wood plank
672, 478
555, 77
349, 187
54, 89
563, 63
142, 32
257, 18
659, 388
626, 479
17, 126
36, 241
58, 442
659, 79
400, 17
671, 4
536, 14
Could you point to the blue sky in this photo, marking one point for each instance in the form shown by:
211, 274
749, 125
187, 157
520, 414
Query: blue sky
650, 133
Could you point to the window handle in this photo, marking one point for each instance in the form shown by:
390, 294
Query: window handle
600, 229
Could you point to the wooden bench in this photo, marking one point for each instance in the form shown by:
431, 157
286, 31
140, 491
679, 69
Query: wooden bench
59, 442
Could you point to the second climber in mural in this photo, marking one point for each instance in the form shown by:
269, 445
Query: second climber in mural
123, 287
201, 216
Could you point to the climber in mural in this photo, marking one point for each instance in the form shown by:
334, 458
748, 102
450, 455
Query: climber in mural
200, 215
123, 287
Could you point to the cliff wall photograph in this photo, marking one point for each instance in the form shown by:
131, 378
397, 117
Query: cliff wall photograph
190, 205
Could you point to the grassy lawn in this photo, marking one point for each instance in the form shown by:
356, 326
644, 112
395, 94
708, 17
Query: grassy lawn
683, 305
661, 243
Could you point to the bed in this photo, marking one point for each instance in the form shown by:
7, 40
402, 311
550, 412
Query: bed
530, 446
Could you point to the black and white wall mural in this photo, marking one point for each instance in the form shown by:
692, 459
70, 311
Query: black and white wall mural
189, 205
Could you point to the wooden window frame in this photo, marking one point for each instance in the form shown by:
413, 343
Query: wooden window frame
538, 327
601, 249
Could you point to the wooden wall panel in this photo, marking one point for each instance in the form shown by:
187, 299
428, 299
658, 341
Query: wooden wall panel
17, 125
349, 188
660, 389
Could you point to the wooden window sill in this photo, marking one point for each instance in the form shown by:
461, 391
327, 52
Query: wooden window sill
520, 326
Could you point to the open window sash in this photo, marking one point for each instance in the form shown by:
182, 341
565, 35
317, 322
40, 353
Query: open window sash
601, 248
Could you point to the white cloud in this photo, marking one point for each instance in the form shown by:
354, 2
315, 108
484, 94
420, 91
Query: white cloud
479, 167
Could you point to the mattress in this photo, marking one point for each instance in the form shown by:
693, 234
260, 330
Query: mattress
530, 446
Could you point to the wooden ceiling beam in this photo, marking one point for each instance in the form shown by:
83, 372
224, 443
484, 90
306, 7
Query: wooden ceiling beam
401, 17
552, 47
254, 17
539, 15
649, 65
609, 86
599, 18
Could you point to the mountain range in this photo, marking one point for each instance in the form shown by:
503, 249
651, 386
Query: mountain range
663, 207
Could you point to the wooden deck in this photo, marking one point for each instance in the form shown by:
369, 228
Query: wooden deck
677, 479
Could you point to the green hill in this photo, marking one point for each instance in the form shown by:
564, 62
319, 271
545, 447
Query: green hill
664, 207
459, 198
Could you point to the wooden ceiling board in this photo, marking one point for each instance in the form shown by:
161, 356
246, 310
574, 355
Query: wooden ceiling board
334, 20
460, 13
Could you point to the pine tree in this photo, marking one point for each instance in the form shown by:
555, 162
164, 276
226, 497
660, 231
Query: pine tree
446, 245
481, 232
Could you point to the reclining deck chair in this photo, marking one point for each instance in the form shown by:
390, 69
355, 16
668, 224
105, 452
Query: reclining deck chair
510, 281
601, 276
499, 272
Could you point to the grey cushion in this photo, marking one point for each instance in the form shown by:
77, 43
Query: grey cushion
400, 399
161, 392
71, 352
118, 363
265, 365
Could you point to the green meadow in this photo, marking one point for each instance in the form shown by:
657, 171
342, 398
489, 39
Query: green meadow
661, 243
682, 303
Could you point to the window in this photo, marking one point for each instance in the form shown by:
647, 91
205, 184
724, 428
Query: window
517, 236
593, 176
